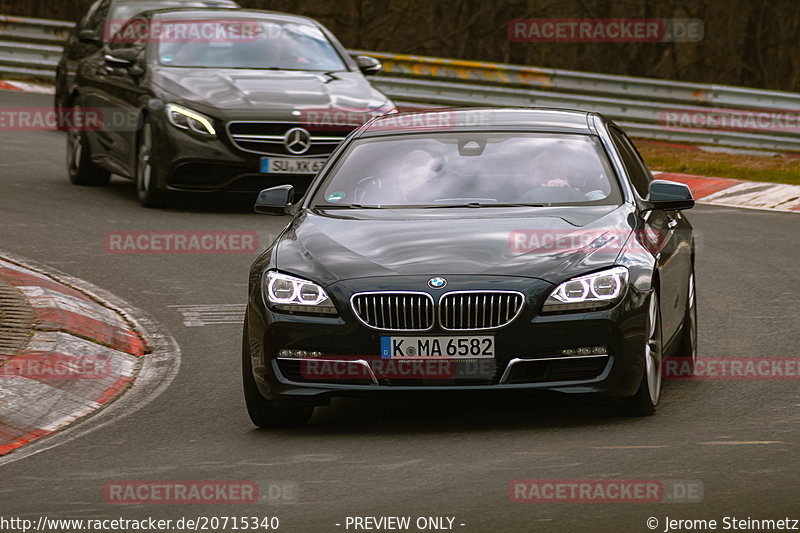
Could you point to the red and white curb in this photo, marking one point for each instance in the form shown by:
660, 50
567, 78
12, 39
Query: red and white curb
36, 88
739, 193
48, 384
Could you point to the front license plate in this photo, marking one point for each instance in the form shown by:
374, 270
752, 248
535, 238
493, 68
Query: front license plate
437, 347
283, 165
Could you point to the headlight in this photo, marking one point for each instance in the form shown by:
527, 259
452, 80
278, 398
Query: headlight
186, 119
592, 291
288, 293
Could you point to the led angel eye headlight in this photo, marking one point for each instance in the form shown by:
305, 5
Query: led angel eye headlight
288, 293
600, 289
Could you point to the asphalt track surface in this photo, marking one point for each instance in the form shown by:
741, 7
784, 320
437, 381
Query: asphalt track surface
443, 456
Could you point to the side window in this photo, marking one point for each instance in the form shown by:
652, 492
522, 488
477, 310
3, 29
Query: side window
133, 34
634, 165
87, 18
98, 17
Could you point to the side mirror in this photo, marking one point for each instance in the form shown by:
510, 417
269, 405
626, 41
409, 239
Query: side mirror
669, 196
368, 66
274, 200
89, 37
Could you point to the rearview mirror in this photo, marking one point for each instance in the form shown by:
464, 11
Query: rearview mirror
89, 37
368, 65
274, 200
669, 196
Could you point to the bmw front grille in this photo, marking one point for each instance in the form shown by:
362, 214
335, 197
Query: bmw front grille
458, 310
473, 310
402, 311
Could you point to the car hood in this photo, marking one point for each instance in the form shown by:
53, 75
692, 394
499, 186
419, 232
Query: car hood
245, 89
545, 243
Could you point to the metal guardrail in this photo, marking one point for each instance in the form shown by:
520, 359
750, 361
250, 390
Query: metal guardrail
638, 104
32, 47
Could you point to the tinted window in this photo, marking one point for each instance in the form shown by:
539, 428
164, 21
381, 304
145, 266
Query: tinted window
634, 165
123, 11
87, 18
246, 43
445, 169
136, 32
98, 16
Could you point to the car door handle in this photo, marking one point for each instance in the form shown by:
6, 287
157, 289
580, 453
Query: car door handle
672, 223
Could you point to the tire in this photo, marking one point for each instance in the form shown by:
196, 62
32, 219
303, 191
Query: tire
149, 195
60, 100
81, 169
687, 347
644, 402
264, 413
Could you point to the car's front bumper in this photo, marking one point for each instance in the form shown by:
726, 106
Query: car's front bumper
528, 351
189, 163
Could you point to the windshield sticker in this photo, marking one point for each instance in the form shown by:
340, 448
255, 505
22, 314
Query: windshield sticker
335, 196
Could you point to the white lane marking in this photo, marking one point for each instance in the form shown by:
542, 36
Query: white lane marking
211, 314
625, 447
740, 442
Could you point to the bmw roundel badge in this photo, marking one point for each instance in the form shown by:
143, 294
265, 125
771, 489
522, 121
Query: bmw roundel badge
437, 283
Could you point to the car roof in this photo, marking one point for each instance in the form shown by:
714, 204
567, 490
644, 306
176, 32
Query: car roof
231, 3
213, 14
488, 119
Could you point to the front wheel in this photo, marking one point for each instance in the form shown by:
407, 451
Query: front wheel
644, 402
264, 413
81, 169
60, 100
687, 347
146, 184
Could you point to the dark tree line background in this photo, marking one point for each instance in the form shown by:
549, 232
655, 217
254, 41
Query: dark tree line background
753, 43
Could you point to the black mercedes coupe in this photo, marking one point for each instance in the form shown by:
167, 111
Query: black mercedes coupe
472, 249
215, 100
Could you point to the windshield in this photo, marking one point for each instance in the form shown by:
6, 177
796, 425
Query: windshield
248, 43
471, 169
123, 11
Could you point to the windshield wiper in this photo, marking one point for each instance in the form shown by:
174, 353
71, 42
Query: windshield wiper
348, 206
479, 204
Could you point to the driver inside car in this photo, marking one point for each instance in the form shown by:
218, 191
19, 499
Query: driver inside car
412, 181
556, 182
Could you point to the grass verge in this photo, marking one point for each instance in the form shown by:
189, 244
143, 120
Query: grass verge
688, 160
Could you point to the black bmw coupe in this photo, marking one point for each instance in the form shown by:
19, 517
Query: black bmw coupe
472, 249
